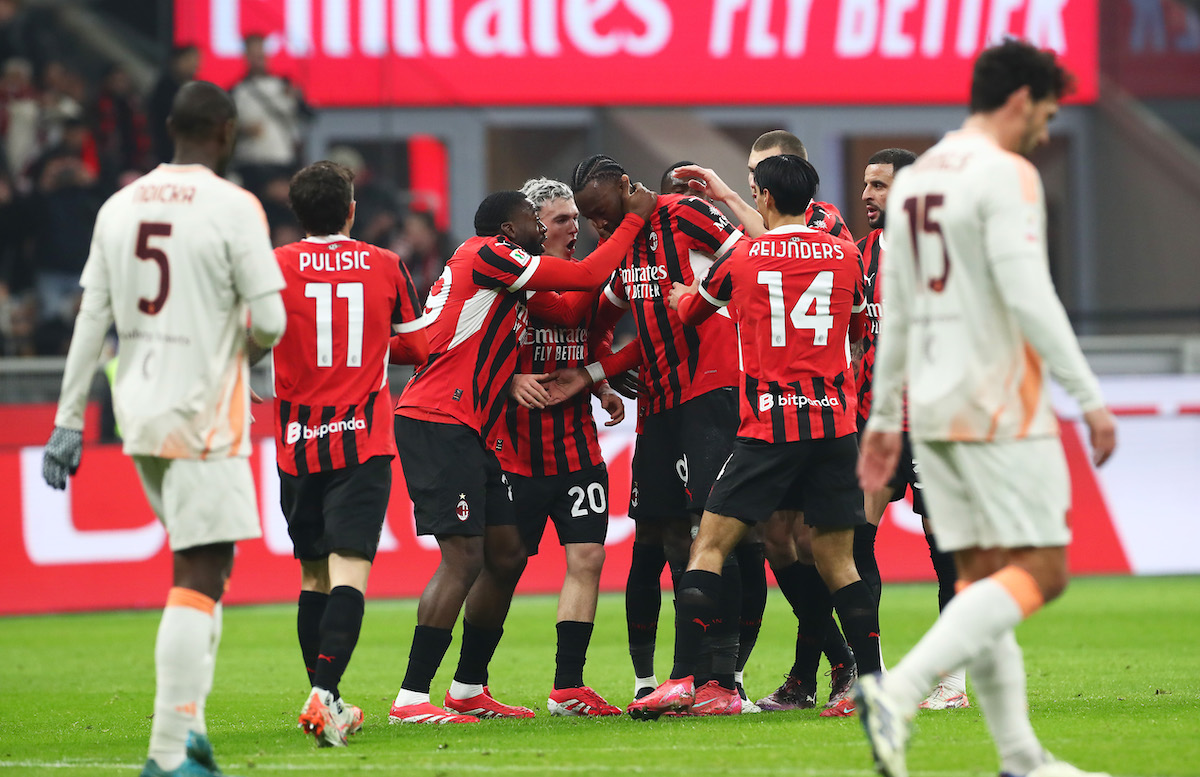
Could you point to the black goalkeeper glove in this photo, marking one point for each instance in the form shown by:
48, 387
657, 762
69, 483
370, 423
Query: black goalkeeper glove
62, 455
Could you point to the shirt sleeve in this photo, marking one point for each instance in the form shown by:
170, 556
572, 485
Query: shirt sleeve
707, 227
406, 316
1015, 235
255, 269
500, 264
717, 286
614, 291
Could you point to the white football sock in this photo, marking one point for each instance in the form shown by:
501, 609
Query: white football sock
645, 682
956, 681
210, 668
180, 652
464, 691
971, 622
406, 698
999, 676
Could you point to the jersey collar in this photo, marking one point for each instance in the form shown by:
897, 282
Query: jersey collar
788, 229
326, 239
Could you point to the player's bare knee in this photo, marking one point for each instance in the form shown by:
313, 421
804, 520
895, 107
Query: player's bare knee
585, 559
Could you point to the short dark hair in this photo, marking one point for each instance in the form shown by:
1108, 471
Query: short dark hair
597, 167
783, 140
1003, 69
791, 180
199, 111
665, 182
320, 196
497, 208
898, 158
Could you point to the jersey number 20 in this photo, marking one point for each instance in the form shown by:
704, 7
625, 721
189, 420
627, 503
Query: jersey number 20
324, 293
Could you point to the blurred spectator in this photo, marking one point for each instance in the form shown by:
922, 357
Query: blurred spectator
63, 97
18, 115
271, 112
423, 249
181, 68
63, 210
74, 141
14, 32
16, 304
376, 210
122, 140
281, 221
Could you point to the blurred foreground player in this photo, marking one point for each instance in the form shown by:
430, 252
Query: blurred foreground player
972, 328
177, 258
796, 290
334, 441
880, 173
475, 316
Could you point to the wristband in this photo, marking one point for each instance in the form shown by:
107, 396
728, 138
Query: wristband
596, 372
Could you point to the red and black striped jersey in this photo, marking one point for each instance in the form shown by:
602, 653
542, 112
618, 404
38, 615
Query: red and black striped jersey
795, 290
680, 362
344, 299
474, 316
561, 438
870, 249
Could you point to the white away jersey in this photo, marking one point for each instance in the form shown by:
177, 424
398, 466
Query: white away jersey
971, 318
178, 252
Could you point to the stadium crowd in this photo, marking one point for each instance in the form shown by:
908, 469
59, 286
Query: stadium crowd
71, 139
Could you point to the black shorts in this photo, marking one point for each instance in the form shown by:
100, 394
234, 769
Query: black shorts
762, 477
678, 454
577, 502
338, 510
455, 483
906, 475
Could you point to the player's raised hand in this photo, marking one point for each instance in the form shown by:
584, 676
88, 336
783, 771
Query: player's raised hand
877, 459
1103, 429
566, 383
678, 292
529, 390
61, 458
637, 198
705, 182
627, 384
612, 404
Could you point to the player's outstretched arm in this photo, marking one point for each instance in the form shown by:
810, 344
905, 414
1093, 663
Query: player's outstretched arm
693, 308
64, 450
752, 223
268, 319
561, 309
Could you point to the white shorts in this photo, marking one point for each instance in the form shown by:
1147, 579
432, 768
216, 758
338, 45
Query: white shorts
201, 502
1010, 494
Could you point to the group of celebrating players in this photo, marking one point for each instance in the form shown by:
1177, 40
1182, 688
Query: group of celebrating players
752, 369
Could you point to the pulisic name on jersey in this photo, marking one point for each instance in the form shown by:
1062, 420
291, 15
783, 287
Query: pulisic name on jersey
796, 249
556, 343
334, 261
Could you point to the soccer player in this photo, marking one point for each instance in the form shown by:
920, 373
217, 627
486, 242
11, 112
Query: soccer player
796, 290
551, 456
784, 538
333, 440
973, 326
475, 316
687, 417
882, 166
177, 258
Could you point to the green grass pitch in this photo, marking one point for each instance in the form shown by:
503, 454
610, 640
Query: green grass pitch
1114, 685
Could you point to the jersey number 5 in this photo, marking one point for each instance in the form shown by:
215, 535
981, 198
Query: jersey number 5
323, 293
147, 252
921, 219
817, 294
